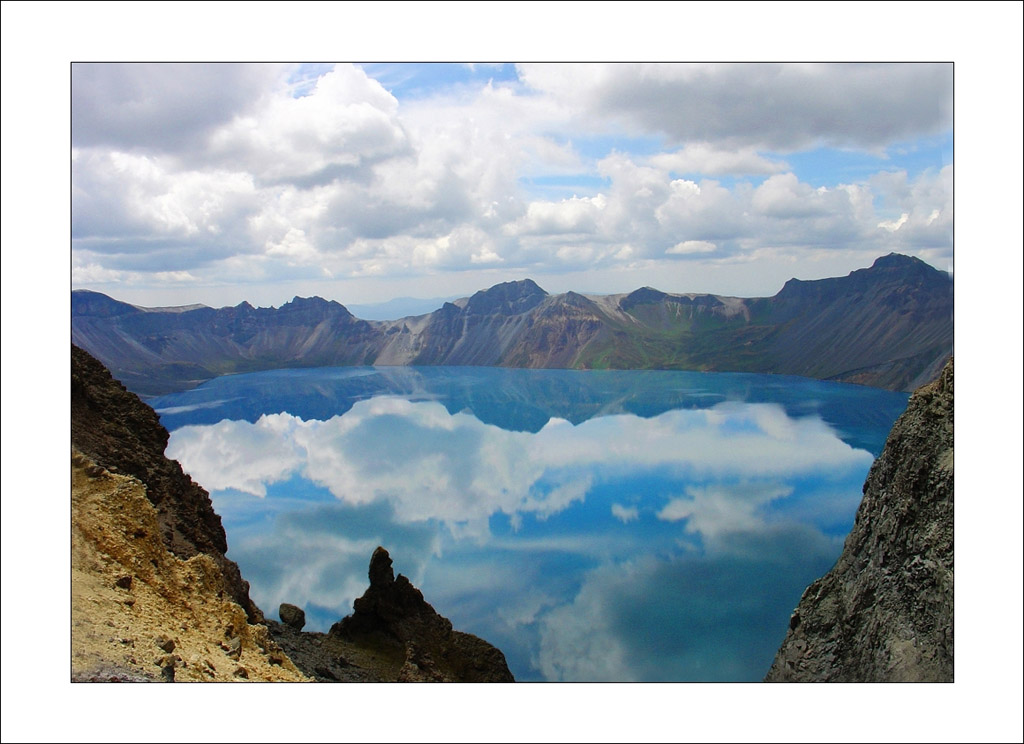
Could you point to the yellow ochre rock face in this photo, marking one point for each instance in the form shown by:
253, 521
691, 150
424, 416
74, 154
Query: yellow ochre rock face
140, 613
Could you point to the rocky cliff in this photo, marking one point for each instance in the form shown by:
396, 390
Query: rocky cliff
884, 613
140, 613
889, 325
119, 433
155, 598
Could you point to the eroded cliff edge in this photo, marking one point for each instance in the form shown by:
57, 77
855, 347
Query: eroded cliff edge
884, 613
154, 597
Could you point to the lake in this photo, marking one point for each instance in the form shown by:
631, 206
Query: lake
593, 525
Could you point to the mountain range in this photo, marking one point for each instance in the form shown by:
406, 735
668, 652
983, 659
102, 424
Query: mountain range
889, 326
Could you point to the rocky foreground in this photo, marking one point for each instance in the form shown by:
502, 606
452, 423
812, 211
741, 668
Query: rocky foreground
154, 598
393, 635
884, 613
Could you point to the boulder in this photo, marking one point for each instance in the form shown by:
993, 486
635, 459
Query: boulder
292, 615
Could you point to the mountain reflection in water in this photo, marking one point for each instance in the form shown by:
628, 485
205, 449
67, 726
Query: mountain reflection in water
593, 525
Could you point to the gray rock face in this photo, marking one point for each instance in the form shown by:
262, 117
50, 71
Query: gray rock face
884, 613
292, 615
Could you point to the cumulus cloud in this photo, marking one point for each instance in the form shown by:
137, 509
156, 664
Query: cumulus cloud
574, 215
345, 122
924, 206
164, 107
217, 174
137, 205
784, 196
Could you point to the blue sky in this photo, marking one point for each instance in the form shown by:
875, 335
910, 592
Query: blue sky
363, 182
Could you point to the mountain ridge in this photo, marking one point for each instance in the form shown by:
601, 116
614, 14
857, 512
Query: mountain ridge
888, 325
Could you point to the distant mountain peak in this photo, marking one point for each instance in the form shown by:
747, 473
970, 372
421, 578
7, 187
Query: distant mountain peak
508, 297
897, 260
642, 296
315, 304
85, 302
309, 301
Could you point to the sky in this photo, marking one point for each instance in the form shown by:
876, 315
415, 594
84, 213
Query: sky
984, 42
363, 182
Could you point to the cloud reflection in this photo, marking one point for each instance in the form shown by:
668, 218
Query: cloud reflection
619, 548
683, 617
432, 465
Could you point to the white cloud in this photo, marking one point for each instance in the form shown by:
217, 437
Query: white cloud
575, 215
345, 123
345, 181
926, 210
163, 107
688, 247
894, 225
625, 514
704, 158
784, 196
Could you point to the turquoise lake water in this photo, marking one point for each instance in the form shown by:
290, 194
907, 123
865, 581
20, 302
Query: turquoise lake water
595, 526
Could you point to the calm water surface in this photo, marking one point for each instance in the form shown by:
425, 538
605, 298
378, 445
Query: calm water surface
615, 526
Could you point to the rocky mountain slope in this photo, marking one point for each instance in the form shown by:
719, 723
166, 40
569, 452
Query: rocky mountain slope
120, 434
139, 612
890, 325
884, 613
155, 598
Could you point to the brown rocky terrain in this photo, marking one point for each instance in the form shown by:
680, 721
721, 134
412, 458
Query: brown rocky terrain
154, 597
141, 613
112, 427
884, 613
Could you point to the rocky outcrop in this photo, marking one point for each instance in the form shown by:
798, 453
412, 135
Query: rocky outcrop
392, 612
121, 434
884, 613
888, 325
140, 613
393, 635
